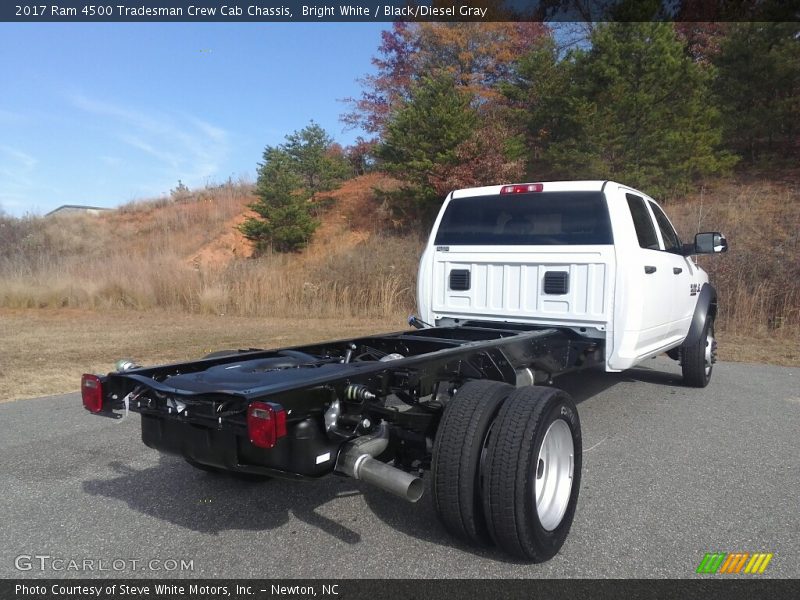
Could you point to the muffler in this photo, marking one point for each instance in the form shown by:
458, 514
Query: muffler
356, 460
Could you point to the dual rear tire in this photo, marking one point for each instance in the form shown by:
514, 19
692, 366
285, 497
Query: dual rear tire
507, 466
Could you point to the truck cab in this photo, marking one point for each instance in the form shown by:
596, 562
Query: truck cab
598, 257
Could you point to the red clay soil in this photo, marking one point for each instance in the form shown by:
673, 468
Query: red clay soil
230, 244
352, 217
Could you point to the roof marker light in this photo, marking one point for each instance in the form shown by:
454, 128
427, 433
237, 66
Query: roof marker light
522, 188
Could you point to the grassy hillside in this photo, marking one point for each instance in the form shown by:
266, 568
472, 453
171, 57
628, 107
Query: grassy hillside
758, 280
185, 254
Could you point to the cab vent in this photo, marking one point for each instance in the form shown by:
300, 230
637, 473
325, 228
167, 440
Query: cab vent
459, 280
556, 282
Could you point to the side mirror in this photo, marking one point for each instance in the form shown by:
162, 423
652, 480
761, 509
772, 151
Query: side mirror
710, 242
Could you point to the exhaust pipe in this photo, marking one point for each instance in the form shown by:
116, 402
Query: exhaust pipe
356, 460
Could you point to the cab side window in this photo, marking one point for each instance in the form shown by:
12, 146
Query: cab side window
672, 242
645, 231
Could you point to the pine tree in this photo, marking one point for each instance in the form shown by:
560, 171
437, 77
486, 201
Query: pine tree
635, 107
424, 135
758, 89
308, 162
316, 158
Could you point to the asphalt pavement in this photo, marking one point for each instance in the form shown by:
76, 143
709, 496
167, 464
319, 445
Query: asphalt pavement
669, 473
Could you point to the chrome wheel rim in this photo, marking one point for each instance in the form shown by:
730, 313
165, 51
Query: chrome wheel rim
711, 351
553, 473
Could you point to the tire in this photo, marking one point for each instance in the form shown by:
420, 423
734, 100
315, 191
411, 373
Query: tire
517, 467
226, 473
457, 452
697, 360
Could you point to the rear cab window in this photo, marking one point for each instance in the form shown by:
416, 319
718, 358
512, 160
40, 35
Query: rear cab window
535, 218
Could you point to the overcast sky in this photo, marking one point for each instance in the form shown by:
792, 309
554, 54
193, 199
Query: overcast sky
102, 114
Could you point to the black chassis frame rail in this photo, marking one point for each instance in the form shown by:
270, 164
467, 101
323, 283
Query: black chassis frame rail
431, 357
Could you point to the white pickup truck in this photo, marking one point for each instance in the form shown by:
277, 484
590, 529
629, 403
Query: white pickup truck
595, 256
518, 283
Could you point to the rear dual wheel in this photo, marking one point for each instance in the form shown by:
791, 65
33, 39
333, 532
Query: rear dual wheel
532, 473
520, 489
459, 449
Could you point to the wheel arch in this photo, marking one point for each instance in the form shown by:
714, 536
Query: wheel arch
706, 307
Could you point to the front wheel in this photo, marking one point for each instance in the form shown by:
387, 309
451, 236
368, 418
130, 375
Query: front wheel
532, 473
697, 360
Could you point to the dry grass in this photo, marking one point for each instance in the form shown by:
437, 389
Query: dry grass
758, 280
376, 278
765, 348
44, 351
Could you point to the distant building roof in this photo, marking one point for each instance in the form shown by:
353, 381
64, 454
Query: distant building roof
76, 208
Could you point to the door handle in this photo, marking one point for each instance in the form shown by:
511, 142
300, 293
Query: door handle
649, 269
677, 270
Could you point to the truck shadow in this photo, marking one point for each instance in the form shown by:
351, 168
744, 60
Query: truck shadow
210, 503
583, 385
419, 521
207, 503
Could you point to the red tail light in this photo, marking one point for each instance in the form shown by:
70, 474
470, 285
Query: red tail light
521, 188
92, 393
265, 423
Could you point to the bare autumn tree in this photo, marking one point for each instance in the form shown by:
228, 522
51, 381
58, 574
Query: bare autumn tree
436, 109
477, 56
390, 85
703, 39
486, 156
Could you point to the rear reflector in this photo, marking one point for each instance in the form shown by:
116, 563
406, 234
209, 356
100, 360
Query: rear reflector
521, 188
265, 423
92, 393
